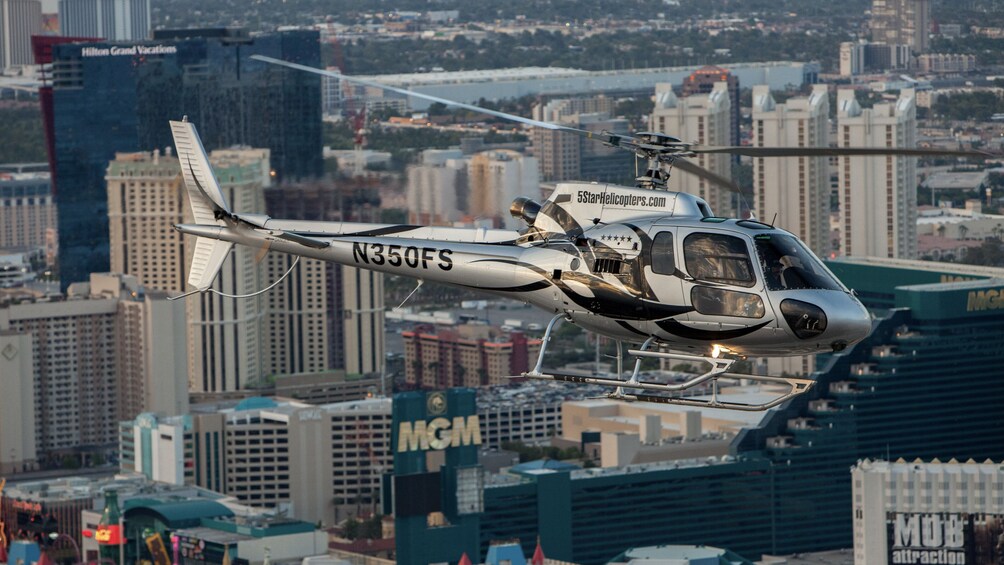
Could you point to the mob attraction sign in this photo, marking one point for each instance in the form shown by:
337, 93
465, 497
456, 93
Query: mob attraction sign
945, 538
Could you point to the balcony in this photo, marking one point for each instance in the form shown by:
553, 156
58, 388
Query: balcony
843, 387
822, 405
779, 442
885, 351
864, 369
802, 424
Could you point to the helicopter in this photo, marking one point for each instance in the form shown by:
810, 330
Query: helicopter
640, 265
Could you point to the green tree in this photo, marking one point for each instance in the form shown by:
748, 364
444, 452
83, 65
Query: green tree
23, 138
70, 462
352, 529
990, 253
373, 527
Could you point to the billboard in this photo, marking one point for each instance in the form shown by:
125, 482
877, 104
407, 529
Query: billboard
945, 538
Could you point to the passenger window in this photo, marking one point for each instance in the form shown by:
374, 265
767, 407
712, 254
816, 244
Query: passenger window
721, 302
662, 256
719, 258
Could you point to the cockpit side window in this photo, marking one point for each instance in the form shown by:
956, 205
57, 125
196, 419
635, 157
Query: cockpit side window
719, 258
788, 265
662, 256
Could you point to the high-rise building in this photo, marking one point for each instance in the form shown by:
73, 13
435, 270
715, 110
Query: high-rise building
296, 317
318, 460
363, 319
470, 356
119, 97
559, 154
352, 334
795, 189
332, 96
496, 178
887, 57
145, 201
567, 157
928, 511
948, 63
703, 80
226, 337
17, 404
114, 20
863, 57
704, 119
877, 195
437, 188
106, 353
852, 58
902, 22
19, 20
27, 209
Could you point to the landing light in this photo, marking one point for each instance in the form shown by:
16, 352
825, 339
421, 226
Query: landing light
717, 350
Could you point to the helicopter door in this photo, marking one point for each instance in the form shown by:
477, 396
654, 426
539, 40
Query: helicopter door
720, 281
664, 284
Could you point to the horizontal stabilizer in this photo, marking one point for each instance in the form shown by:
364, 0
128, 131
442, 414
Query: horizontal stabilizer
207, 260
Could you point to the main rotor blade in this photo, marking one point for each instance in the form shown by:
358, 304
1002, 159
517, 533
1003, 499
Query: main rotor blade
610, 138
713, 178
835, 151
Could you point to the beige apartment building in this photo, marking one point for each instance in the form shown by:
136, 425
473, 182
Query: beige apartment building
106, 352
27, 210
470, 356
236, 343
705, 119
320, 462
795, 190
877, 195
496, 178
145, 201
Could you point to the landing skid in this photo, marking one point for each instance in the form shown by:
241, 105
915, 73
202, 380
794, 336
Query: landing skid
719, 369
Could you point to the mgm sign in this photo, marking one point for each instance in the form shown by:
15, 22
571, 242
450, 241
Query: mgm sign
439, 431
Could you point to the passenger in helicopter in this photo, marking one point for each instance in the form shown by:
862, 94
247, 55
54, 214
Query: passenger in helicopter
792, 273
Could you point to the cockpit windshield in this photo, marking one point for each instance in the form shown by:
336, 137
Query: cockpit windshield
788, 265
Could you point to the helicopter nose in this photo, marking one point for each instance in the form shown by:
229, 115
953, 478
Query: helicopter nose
850, 322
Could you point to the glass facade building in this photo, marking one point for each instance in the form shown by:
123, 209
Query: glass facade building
112, 97
927, 383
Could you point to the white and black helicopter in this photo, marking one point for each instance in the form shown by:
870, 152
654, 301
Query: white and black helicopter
638, 265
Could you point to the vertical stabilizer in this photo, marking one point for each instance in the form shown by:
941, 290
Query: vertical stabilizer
209, 206
199, 178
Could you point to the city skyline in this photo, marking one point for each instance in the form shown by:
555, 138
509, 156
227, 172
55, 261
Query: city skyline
236, 424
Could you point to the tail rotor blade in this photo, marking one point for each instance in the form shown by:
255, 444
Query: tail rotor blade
263, 251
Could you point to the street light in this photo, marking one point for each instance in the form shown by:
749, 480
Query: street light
57, 535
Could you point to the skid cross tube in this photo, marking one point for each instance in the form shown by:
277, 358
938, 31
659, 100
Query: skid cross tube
719, 368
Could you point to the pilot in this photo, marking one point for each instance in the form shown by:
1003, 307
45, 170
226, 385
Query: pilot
791, 272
